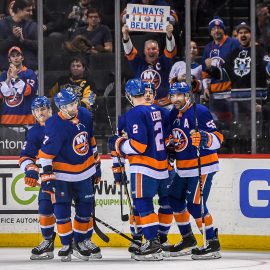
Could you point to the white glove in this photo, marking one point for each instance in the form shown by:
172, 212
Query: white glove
18, 86
5, 90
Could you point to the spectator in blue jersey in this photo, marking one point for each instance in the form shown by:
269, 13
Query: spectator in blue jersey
18, 88
41, 109
93, 38
215, 54
193, 130
151, 67
19, 30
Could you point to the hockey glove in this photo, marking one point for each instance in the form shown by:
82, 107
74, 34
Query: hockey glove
114, 144
31, 175
48, 182
118, 174
97, 175
201, 139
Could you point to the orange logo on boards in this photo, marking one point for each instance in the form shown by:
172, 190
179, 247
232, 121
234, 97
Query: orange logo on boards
81, 144
180, 139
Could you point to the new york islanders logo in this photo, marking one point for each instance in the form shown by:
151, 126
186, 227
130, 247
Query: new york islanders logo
80, 143
14, 100
151, 75
180, 139
242, 64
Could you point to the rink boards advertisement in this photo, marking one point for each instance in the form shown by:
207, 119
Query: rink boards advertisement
239, 203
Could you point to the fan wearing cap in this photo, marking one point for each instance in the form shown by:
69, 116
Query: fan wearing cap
238, 68
18, 88
215, 54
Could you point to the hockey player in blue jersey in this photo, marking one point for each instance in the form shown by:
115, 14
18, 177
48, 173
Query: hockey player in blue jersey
68, 163
146, 152
41, 110
165, 215
184, 193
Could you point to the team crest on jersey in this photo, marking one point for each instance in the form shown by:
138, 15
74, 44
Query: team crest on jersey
180, 139
151, 75
80, 143
14, 101
242, 64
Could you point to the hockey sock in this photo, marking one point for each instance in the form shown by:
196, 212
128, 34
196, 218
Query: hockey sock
165, 217
46, 218
90, 229
195, 211
149, 219
138, 235
81, 221
62, 213
181, 215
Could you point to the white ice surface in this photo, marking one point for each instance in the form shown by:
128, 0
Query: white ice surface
118, 259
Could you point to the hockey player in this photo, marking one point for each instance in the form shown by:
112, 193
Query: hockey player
18, 88
69, 160
184, 193
41, 109
146, 152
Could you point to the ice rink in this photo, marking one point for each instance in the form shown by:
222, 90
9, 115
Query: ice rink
118, 258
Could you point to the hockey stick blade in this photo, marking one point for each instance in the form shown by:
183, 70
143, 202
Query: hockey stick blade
100, 234
125, 217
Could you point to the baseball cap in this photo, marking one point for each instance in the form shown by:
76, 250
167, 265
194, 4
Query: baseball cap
241, 26
14, 48
216, 22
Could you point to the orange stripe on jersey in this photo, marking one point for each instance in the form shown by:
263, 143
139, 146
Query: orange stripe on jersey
194, 162
208, 220
137, 220
148, 161
41, 154
93, 142
220, 87
46, 220
138, 185
17, 119
28, 90
22, 159
182, 217
132, 55
74, 168
165, 218
151, 218
139, 147
64, 228
219, 135
170, 54
78, 226
197, 198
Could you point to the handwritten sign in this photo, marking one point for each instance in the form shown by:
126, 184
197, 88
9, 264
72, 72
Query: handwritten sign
147, 18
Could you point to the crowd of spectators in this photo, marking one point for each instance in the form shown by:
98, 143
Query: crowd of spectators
79, 28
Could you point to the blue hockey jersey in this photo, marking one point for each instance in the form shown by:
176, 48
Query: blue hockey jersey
145, 145
186, 154
69, 146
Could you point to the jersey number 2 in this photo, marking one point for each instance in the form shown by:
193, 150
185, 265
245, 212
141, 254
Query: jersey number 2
159, 136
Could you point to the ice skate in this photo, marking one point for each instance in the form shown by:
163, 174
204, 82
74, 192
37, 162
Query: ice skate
44, 251
149, 251
95, 250
182, 248
164, 247
133, 247
80, 251
210, 252
65, 253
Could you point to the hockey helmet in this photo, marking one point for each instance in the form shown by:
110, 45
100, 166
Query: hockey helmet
179, 88
39, 102
65, 97
134, 87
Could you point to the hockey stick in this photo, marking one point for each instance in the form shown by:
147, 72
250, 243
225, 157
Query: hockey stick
109, 88
200, 176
